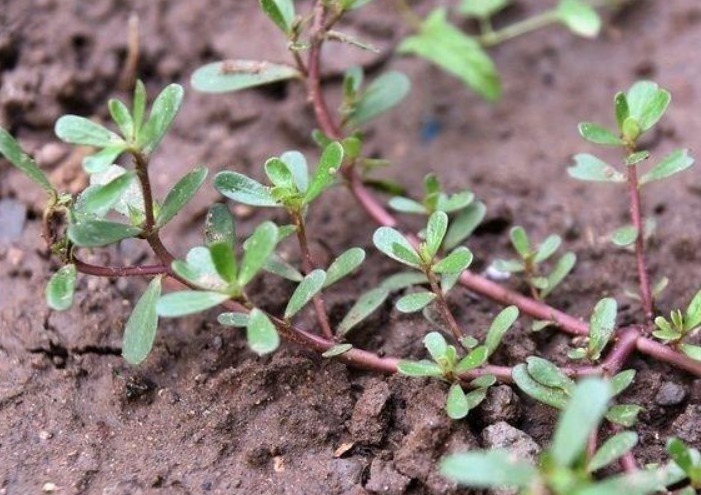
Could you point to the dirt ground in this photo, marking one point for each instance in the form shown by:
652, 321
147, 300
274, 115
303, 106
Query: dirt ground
203, 415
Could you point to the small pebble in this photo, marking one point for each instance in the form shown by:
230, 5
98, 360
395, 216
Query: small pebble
670, 394
45, 435
49, 487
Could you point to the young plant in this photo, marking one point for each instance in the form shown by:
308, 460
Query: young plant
680, 327
602, 325
541, 282
446, 364
564, 468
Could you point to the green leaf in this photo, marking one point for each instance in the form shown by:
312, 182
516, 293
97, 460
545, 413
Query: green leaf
693, 351
456, 405
337, 350
622, 381
538, 282
187, 302
637, 157
139, 105
243, 189
582, 416
594, 133
589, 168
140, 330
305, 291
692, 316
224, 260
261, 333
476, 358
622, 109
99, 199
546, 373
396, 246
601, 326
563, 267
638, 483
235, 75
163, 111
484, 381
403, 280
277, 265
93, 232
454, 202
445, 45
419, 368
199, 269
414, 302
329, 164
344, 265
279, 173
680, 453
101, 161
297, 165
233, 319
488, 469
383, 94
180, 195
11, 150
520, 241
219, 226
675, 162
79, 130
464, 224
121, 116
580, 17
435, 231
130, 203
647, 103
614, 448
509, 266
547, 248
455, 262
624, 236
258, 249
554, 397
406, 205
500, 325
363, 307
476, 397
61, 287
482, 9
624, 414
436, 345
281, 12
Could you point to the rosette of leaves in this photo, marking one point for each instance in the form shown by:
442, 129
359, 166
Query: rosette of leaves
602, 325
445, 363
637, 112
467, 213
681, 326
564, 468
531, 259
546, 383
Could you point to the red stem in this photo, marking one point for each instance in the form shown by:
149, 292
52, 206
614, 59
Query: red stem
636, 218
120, 271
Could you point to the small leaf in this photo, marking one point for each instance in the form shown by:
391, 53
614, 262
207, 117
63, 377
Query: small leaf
622, 381
435, 231
455, 262
140, 330
261, 333
594, 133
463, 225
277, 265
403, 280
414, 302
406, 205
582, 416
163, 111
79, 130
337, 350
233, 319
456, 405
11, 150
199, 269
344, 265
90, 232
419, 368
622, 109
680, 453
454, 202
547, 248
624, 414
520, 241
482, 9
601, 326
500, 325
624, 236
279, 173
476, 397
187, 302
546, 373
563, 267
224, 261
297, 164
693, 351
243, 189
579, 17
436, 345
672, 164
305, 291
61, 287
99, 199
219, 226
101, 161
554, 397
614, 448
396, 246
647, 103
281, 12
489, 469
329, 165
138, 105
235, 75
383, 94
259, 247
589, 168
476, 358
509, 266
180, 195
637, 157
484, 381
121, 116
363, 307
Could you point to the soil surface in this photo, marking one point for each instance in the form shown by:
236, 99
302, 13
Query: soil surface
204, 415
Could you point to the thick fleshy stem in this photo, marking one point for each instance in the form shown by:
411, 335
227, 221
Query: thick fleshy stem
636, 218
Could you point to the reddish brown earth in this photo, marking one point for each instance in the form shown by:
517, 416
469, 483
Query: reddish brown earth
203, 414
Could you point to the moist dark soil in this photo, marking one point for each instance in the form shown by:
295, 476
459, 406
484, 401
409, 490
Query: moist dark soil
205, 415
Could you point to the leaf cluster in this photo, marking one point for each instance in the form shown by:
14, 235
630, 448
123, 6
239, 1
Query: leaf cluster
680, 326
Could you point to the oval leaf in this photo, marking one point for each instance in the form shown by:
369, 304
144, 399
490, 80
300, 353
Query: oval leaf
456, 405
589, 168
419, 368
363, 307
243, 189
235, 75
11, 150
414, 302
594, 133
614, 448
455, 262
500, 325
61, 287
396, 246
258, 249
489, 469
672, 164
181, 193
601, 326
187, 302
344, 265
163, 111
383, 94
261, 333
97, 233
305, 291
329, 165
79, 130
140, 330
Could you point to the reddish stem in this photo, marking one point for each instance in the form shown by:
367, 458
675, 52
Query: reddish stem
636, 218
120, 271
442, 305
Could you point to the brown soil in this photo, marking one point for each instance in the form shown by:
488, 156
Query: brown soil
203, 414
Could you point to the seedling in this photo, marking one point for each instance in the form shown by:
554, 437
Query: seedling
680, 327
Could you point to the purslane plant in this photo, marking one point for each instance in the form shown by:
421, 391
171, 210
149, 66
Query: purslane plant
119, 204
